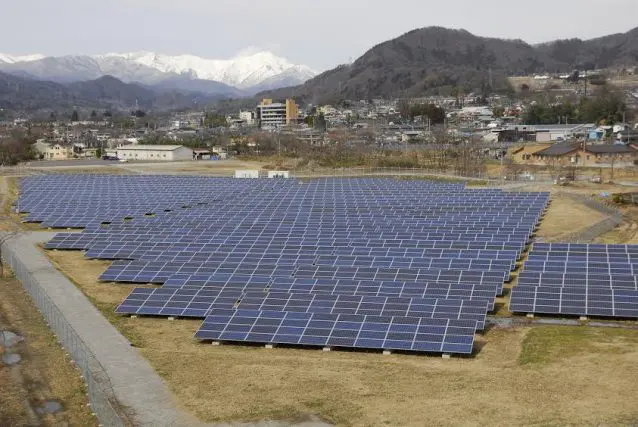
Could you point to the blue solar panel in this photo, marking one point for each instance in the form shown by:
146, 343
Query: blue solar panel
578, 280
213, 242
340, 330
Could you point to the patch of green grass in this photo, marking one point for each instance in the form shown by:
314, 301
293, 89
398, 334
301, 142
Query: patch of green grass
548, 344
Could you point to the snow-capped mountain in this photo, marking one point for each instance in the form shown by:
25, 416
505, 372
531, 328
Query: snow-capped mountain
250, 72
242, 71
10, 59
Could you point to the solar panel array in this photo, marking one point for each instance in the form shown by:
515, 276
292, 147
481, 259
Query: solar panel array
579, 279
361, 263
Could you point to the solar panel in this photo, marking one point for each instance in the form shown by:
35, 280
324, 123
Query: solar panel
214, 243
340, 330
578, 280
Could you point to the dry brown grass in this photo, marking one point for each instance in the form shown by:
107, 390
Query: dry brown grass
627, 231
44, 372
568, 378
566, 216
200, 167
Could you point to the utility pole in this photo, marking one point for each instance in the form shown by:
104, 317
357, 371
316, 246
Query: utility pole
502, 171
585, 84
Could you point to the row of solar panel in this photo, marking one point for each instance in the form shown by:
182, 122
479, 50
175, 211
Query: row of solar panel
159, 274
606, 302
196, 283
185, 303
577, 279
340, 330
231, 251
590, 248
404, 244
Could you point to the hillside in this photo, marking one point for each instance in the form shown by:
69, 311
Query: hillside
437, 60
17, 93
616, 50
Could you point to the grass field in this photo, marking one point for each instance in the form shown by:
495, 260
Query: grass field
540, 376
566, 216
550, 375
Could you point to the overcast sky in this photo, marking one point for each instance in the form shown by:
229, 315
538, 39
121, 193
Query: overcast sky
318, 33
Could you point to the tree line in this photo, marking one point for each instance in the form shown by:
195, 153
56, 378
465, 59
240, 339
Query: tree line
604, 109
17, 147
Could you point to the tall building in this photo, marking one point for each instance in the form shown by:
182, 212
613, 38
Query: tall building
272, 114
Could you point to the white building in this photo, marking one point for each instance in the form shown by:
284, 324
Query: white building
247, 117
155, 152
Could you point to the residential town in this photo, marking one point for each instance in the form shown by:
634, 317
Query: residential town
495, 126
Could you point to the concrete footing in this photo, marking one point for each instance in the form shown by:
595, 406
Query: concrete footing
387, 352
327, 349
446, 356
530, 315
216, 343
269, 346
584, 318
171, 318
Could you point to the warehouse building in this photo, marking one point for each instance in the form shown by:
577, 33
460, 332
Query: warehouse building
166, 153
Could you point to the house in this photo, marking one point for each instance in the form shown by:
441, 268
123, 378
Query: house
524, 154
586, 155
54, 151
154, 152
411, 136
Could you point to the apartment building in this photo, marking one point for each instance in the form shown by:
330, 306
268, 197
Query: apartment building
276, 114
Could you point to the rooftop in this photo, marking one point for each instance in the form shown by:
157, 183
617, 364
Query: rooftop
556, 127
560, 149
563, 148
609, 148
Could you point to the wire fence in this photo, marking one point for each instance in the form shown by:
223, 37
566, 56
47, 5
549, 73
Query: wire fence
100, 393
396, 172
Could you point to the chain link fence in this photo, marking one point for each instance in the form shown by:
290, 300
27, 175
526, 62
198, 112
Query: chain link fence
100, 393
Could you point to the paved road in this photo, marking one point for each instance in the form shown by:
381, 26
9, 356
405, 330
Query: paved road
76, 163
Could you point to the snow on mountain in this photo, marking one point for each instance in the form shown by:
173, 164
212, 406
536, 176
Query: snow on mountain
11, 59
249, 72
243, 71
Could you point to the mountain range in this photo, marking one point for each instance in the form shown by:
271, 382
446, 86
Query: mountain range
425, 61
437, 60
107, 92
239, 76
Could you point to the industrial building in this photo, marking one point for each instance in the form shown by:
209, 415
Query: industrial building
543, 133
273, 115
154, 152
